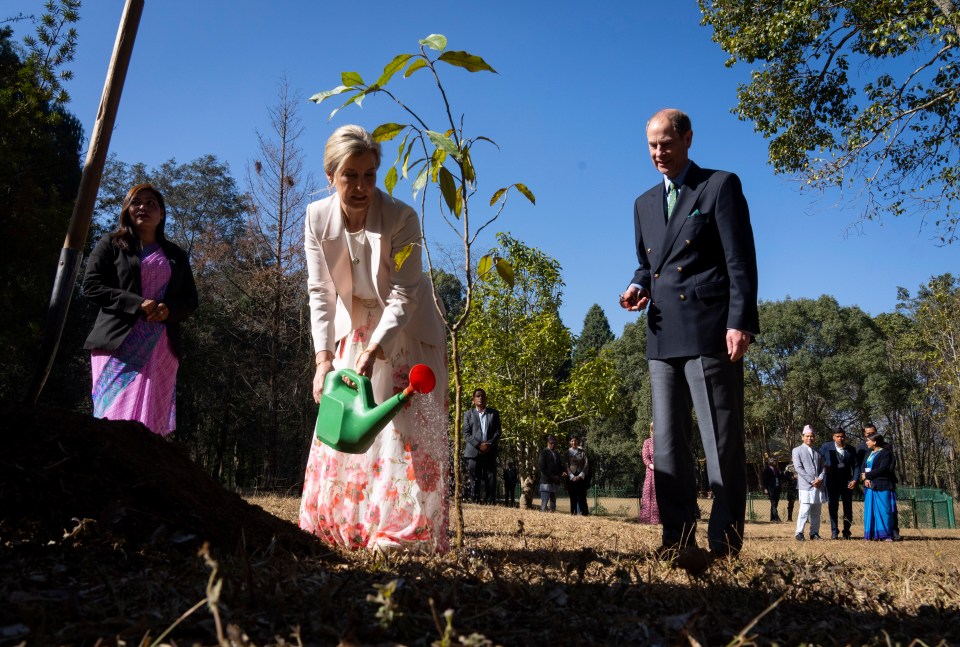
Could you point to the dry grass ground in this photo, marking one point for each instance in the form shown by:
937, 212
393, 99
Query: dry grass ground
527, 578
103, 527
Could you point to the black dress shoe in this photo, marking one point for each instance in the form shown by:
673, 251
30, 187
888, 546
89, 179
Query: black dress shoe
814, 537
834, 536
799, 536
846, 535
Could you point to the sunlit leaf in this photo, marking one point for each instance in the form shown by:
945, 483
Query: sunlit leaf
400, 257
435, 41
467, 61
390, 180
442, 141
400, 149
458, 211
436, 163
505, 270
522, 188
406, 159
322, 96
448, 187
392, 68
421, 180
496, 196
386, 132
484, 267
351, 79
418, 64
469, 173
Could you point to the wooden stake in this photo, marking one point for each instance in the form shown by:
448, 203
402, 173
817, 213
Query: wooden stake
72, 253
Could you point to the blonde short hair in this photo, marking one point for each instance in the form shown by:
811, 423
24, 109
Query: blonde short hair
345, 142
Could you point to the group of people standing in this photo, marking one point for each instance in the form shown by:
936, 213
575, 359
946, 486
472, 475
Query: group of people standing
830, 474
372, 309
570, 469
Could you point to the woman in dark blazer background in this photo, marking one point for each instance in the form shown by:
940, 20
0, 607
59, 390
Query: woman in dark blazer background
144, 288
879, 495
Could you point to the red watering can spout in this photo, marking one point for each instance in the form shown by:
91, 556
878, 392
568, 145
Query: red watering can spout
422, 380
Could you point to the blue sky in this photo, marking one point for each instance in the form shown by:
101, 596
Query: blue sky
575, 86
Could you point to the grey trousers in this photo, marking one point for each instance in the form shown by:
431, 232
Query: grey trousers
711, 385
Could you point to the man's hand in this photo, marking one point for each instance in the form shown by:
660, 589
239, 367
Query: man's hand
737, 343
851, 485
634, 299
484, 448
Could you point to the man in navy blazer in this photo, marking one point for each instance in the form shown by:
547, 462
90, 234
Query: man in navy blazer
840, 460
698, 275
481, 431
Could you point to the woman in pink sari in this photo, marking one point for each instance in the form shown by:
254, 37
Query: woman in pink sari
373, 310
649, 512
144, 287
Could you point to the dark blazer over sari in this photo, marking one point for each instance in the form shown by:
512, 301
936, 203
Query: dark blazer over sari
882, 474
112, 282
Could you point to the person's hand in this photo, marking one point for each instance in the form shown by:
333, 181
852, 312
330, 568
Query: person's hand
324, 366
737, 343
867, 483
634, 299
484, 448
851, 485
367, 358
154, 310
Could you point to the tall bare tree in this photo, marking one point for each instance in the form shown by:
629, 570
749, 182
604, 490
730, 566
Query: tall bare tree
271, 270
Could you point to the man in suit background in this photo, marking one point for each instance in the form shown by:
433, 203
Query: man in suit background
481, 431
771, 485
810, 476
840, 460
698, 274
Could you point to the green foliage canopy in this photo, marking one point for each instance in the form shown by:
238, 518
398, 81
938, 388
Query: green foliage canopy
854, 93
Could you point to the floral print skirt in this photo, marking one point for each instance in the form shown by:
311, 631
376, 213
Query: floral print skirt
395, 495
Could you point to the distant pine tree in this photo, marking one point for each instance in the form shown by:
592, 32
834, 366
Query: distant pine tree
596, 332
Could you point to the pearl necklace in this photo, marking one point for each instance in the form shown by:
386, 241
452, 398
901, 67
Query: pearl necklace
348, 235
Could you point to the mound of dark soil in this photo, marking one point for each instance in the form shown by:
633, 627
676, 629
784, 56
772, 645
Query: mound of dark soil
101, 523
59, 470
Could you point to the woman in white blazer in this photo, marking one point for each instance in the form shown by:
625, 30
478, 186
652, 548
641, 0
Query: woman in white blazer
372, 309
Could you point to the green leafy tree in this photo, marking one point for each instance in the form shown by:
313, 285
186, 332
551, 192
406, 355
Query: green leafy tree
617, 437
855, 94
908, 404
441, 156
515, 347
596, 332
449, 290
816, 363
933, 312
40, 169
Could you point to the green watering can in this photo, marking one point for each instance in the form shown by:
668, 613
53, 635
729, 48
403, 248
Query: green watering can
349, 419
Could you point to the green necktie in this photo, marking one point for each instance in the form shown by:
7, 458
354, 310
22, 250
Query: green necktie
671, 199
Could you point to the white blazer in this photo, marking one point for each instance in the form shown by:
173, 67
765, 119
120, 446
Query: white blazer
404, 292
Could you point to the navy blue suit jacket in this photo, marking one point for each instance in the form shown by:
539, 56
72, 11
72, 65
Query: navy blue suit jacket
700, 268
837, 475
